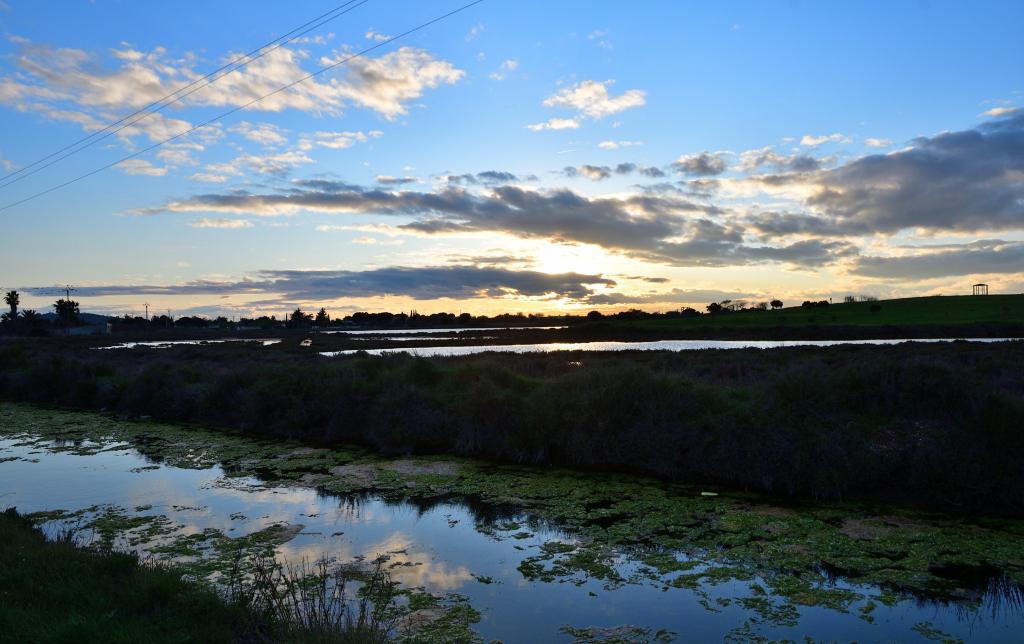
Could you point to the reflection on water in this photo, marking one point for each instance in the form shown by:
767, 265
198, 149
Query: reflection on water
655, 345
393, 332
164, 344
472, 549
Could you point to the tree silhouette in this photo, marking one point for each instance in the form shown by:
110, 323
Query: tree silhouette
714, 307
13, 299
32, 321
776, 304
299, 319
322, 319
67, 312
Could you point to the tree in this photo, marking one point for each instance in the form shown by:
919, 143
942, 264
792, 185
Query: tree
299, 319
595, 315
714, 307
13, 299
776, 304
33, 322
322, 319
67, 312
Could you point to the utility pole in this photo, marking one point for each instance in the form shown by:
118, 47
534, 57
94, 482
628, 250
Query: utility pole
147, 311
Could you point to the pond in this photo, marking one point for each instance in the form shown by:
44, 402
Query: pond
653, 345
164, 344
563, 564
393, 332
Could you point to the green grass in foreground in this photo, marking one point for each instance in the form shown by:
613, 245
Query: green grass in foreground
911, 311
53, 591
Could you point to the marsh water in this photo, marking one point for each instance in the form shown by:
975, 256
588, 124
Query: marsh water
651, 345
460, 550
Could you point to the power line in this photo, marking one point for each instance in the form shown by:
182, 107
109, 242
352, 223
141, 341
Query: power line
243, 106
194, 86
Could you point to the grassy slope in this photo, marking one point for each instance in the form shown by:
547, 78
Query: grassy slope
56, 592
911, 311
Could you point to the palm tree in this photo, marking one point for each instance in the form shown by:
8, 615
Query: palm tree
67, 312
32, 322
13, 299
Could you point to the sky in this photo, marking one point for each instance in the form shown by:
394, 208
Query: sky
531, 157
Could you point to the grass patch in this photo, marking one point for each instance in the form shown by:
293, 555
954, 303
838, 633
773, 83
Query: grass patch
53, 591
905, 312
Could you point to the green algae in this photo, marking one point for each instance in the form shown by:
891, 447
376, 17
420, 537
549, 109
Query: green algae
929, 632
681, 537
626, 634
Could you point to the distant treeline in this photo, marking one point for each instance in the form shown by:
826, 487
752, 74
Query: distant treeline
322, 319
940, 425
67, 314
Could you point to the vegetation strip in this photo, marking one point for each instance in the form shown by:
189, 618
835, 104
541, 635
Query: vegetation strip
935, 425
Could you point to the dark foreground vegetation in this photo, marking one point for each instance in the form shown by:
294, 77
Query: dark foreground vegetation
939, 425
58, 591
53, 591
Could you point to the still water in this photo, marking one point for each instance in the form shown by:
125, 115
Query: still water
393, 332
656, 345
450, 547
164, 344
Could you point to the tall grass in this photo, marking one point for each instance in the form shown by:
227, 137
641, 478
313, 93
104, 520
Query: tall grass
313, 602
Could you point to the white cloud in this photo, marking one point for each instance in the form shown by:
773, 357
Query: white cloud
509, 65
209, 177
178, 154
278, 164
878, 143
272, 163
474, 31
555, 124
78, 86
262, 133
1001, 111
377, 36
342, 140
591, 99
615, 145
218, 222
388, 83
141, 166
814, 141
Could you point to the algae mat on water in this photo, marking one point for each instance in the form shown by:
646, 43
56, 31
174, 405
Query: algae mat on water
674, 536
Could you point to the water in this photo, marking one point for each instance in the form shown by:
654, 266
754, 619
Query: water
655, 345
392, 332
164, 344
449, 547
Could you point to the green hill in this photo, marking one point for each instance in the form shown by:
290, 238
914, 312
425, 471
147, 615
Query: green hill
911, 311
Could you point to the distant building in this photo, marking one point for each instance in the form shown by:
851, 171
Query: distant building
981, 289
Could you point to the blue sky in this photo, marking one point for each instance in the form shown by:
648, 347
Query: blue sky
643, 154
